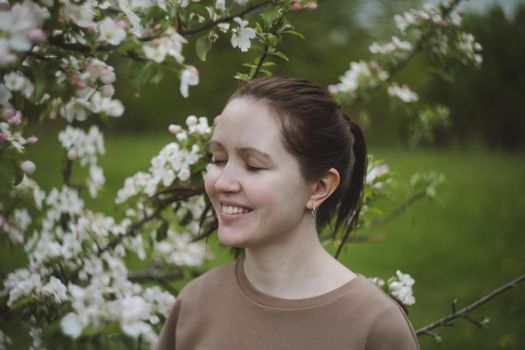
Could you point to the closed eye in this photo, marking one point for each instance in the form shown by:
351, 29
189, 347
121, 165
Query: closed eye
253, 168
216, 161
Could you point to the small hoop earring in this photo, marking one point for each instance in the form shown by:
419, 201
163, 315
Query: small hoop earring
313, 211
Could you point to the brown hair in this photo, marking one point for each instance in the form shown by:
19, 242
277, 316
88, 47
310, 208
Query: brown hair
321, 136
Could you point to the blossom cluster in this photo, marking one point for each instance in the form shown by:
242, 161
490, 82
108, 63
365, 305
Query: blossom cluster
399, 287
102, 293
11, 119
361, 75
93, 81
85, 147
173, 163
447, 41
20, 29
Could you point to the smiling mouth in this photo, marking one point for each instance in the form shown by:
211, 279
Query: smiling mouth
227, 209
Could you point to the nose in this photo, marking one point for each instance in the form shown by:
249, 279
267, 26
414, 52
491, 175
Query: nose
228, 180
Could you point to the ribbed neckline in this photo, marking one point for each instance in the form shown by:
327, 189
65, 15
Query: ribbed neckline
275, 302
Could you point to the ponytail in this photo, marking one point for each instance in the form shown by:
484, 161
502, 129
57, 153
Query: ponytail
352, 197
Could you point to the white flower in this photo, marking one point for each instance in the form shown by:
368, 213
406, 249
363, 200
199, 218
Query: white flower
178, 249
155, 51
110, 32
95, 181
375, 171
402, 92
191, 120
14, 81
133, 311
81, 15
403, 45
220, 5
20, 283
81, 145
400, 287
184, 174
174, 129
74, 109
73, 325
56, 289
241, 36
188, 77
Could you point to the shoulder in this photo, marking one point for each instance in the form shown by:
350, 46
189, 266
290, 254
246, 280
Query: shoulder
387, 323
213, 280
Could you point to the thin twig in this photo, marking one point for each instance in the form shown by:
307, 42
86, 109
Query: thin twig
262, 58
399, 210
464, 313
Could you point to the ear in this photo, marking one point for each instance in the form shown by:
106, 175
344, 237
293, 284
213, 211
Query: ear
323, 188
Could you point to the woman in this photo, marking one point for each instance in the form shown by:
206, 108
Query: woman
285, 160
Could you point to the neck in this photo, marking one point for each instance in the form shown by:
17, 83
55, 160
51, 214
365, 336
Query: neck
297, 268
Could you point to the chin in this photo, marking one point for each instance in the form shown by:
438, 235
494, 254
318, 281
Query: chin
230, 238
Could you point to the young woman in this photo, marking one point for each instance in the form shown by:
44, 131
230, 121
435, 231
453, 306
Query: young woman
285, 161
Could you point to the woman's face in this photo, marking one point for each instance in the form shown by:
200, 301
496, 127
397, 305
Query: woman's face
254, 183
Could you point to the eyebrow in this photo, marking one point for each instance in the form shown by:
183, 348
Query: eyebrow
245, 150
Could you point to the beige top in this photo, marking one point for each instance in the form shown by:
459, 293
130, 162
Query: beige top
222, 310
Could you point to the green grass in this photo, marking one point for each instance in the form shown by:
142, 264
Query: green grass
460, 246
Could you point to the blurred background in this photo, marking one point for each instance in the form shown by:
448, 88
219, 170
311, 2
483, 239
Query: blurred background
460, 246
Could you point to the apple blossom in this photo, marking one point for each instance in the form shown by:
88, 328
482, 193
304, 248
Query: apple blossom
402, 92
189, 77
110, 32
242, 35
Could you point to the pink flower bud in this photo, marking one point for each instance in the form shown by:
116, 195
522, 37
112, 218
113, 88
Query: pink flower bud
78, 82
156, 26
16, 119
2, 137
37, 35
121, 24
311, 5
297, 6
174, 129
32, 139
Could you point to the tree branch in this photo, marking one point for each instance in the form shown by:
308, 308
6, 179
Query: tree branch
262, 58
400, 65
206, 26
464, 313
59, 41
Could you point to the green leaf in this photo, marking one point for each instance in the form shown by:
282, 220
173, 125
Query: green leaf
40, 81
280, 55
162, 232
293, 32
202, 46
269, 15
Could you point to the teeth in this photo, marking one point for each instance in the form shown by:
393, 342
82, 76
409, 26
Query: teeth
233, 210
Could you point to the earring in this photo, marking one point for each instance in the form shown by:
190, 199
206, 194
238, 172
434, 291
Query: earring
313, 211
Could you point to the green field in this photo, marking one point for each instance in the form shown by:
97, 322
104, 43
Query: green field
460, 246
